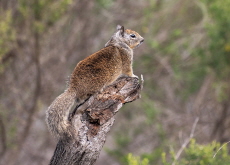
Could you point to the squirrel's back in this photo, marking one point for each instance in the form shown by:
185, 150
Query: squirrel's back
96, 71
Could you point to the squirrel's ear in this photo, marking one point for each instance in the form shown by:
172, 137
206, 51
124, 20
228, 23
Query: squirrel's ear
121, 29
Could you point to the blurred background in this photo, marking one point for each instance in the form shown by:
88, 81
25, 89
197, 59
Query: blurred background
184, 114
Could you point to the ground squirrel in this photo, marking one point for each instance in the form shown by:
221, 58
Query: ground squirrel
91, 75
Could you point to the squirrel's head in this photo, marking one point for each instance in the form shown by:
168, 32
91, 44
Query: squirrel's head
129, 37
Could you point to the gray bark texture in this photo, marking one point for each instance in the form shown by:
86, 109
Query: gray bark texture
93, 121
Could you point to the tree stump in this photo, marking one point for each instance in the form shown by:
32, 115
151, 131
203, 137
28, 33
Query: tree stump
92, 125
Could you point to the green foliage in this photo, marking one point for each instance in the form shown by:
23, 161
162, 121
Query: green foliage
217, 56
42, 13
175, 42
196, 154
7, 33
57, 10
212, 57
39, 13
135, 160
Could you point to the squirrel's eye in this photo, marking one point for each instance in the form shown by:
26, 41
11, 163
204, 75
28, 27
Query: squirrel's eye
133, 35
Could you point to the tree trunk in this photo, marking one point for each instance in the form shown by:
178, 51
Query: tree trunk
92, 126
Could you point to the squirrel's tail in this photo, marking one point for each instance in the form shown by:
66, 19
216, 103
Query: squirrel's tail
58, 113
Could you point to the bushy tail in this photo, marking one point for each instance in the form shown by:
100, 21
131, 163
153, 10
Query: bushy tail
58, 113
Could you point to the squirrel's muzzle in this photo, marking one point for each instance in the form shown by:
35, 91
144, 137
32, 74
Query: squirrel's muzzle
142, 41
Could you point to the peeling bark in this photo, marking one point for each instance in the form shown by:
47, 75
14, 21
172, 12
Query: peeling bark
91, 127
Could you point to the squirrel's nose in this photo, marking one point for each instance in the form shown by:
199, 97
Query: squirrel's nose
142, 40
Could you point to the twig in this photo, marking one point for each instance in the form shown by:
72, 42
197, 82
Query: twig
186, 141
220, 149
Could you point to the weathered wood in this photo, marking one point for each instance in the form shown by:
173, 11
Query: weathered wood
91, 127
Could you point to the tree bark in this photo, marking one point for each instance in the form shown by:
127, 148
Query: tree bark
91, 127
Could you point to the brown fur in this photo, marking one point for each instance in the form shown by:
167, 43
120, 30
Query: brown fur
91, 75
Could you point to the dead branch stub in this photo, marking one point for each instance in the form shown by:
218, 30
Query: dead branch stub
91, 127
